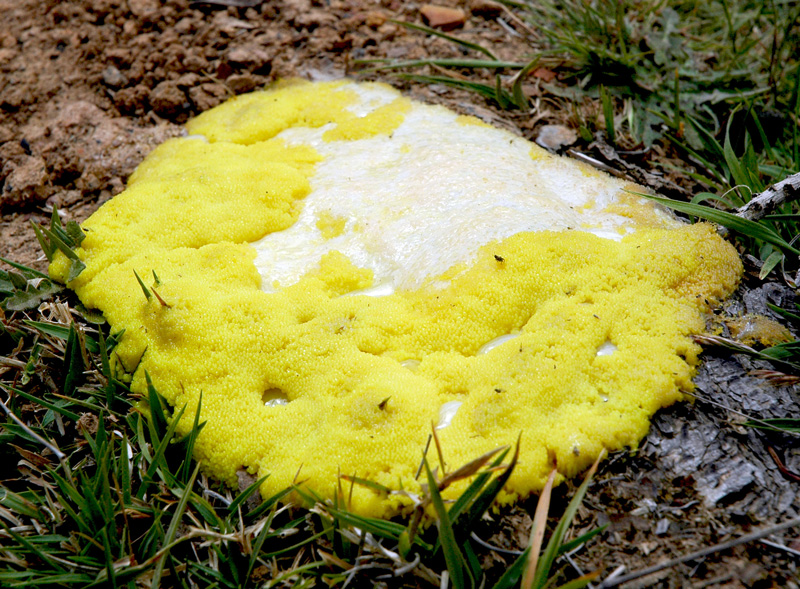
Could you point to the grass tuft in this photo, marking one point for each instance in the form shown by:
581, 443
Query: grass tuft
110, 495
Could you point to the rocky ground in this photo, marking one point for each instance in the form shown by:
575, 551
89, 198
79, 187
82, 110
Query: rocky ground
89, 87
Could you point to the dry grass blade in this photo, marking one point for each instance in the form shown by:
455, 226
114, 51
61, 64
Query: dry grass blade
776, 377
470, 468
439, 452
333, 560
537, 531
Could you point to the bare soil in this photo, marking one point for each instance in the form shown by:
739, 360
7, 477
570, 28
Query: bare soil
89, 87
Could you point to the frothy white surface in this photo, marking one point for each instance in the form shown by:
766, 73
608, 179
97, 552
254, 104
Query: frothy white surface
428, 196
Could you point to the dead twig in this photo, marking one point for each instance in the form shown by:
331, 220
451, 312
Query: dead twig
774, 196
609, 582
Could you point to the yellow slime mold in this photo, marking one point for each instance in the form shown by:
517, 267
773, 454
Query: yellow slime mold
325, 247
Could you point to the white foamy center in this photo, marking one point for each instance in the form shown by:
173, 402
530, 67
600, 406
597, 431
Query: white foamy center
428, 196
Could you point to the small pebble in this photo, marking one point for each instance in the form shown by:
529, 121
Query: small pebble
487, 9
662, 527
114, 78
556, 137
442, 17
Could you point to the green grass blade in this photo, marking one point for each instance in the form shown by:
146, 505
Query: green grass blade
24, 269
157, 415
257, 545
18, 504
387, 64
707, 163
207, 512
489, 92
93, 505
451, 38
763, 136
794, 317
795, 102
739, 176
190, 441
729, 220
267, 504
61, 332
580, 582
472, 560
608, 115
779, 424
76, 265
460, 574
580, 540
556, 539
377, 527
173, 528
704, 197
520, 99
510, 579
784, 352
111, 576
781, 356
68, 489
769, 264
466, 498
75, 233
145, 290
73, 361
55, 220
47, 247
277, 581
488, 495
45, 403
377, 487
124, 473
32, 548
709, 141
293, 547
59, 580
110, 387
159, 461
245, 495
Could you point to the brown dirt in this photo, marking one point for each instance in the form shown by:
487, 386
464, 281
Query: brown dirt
88, 88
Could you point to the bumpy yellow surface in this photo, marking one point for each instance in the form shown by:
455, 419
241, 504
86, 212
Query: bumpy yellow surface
191, 210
